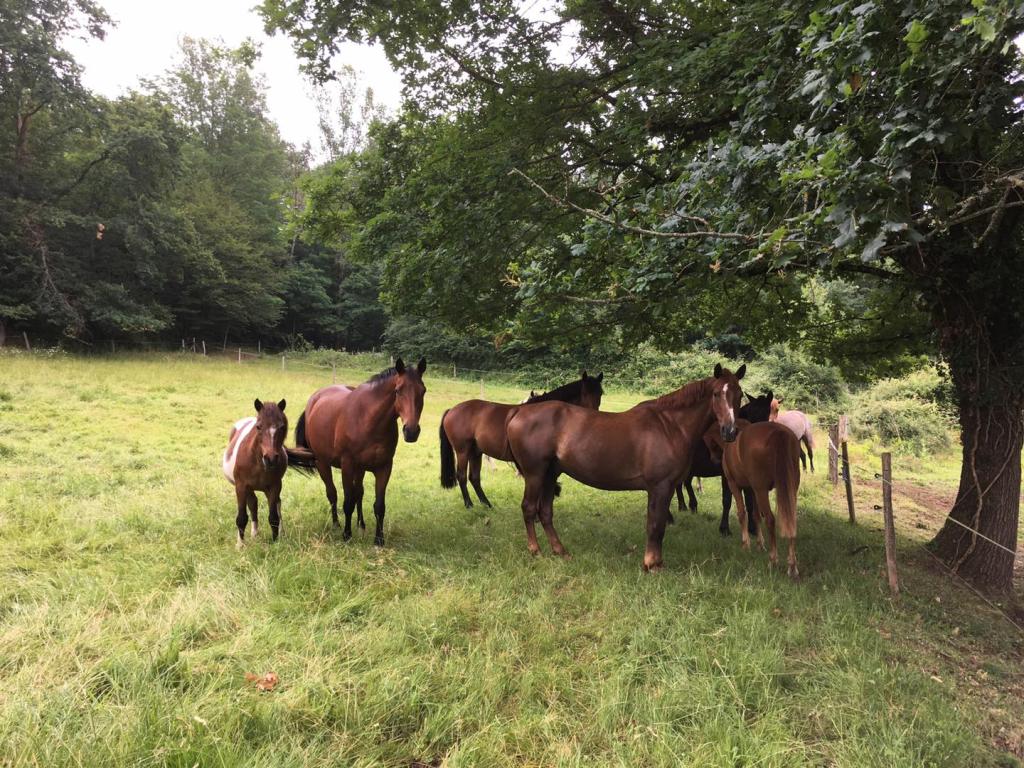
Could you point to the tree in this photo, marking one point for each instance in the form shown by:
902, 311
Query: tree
698, 162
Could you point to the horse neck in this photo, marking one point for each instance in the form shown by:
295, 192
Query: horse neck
692, 416
380, 405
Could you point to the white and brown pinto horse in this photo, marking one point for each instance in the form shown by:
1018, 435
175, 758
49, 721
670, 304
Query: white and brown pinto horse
800, 426
256, 460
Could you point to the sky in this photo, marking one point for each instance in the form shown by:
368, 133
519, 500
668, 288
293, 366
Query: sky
144, 44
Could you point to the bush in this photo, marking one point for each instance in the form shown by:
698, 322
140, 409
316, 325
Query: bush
908, 413
800, 381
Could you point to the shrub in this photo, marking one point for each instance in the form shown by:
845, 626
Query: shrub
906, 413
800, 381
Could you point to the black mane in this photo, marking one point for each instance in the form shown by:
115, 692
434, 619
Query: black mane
570, 391
384, 375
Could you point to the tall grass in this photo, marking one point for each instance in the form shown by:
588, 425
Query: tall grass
128, 619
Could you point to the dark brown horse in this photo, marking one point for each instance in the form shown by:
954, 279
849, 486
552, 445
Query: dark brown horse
255, 460
357, 431
756, 410
764, 457
477, 427
649, 447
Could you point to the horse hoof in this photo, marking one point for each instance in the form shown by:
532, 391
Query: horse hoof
362, 525
469, 505
564, 555
534, 551
724, 532
794, 574
653, 568
346, 535
693, 509
239, 543
378, 542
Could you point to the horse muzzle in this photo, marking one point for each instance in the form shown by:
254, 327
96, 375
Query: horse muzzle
729, 433
411, 433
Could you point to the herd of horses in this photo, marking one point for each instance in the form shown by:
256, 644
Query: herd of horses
701, 430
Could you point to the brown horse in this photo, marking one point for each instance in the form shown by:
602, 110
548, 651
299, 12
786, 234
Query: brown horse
764, 457
477, 427
255, 460
357, 431
649, 447
757, 409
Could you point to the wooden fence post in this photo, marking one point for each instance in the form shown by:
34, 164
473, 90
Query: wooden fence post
848, 481
890, 530
833, 456
239, 355
24, 335
334, 373
113, 346
204, 347
282, 362
259, 347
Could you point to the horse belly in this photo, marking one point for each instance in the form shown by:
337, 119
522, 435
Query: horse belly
609, 465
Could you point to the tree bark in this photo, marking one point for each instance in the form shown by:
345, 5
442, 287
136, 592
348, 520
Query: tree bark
988, 500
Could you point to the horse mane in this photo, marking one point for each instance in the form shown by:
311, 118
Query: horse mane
565, 392
384, 375
688, 395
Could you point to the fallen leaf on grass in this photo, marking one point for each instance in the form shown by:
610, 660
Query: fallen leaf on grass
265, 682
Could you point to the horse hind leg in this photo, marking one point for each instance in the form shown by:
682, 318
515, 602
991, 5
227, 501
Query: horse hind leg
741, 515
803, 460
810, 452
348, 487
692, 496
531, 508
764, 511
359, 501
547, 514
723, 526
327, 475
475, 463
658, 501
794, 572
464, 457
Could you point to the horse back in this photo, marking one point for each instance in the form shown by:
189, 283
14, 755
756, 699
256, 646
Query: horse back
481, 422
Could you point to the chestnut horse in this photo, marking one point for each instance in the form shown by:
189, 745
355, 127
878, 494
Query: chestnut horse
357, 430
477, 427
764, 457
649, 447
256, 460
800, 425
756, 410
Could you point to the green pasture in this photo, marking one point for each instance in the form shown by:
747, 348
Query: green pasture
128, 619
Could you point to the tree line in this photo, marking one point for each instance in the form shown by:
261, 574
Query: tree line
167, 212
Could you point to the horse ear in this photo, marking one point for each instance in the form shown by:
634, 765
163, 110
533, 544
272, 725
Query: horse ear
770, 396
258, 404
741, 372
399, 365
718, 370
421, 366
600, 377
583, 374
282, 403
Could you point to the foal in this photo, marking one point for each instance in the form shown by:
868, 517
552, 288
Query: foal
763, 457
255, 460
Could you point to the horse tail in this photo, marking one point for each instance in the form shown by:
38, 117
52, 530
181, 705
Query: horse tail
447, 457
301, 459
785, 448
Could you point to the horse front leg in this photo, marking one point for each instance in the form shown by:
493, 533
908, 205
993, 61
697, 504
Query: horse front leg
723, 526
381, 476
348, 504
242, 518
658, 500
691, 495
254, 505
461, 472
274, 502
359, 499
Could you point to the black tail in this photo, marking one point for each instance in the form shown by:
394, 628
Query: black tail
300, 457
447, 458
302, 460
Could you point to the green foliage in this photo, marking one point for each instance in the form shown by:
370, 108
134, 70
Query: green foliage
802, 382
907, 414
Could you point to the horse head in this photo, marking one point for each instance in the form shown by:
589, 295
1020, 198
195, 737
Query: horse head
591, 391
726, 394
409, 392
271, 429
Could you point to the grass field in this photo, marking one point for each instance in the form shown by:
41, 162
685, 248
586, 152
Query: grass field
128, 619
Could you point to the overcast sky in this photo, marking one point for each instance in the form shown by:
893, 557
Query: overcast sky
145, 42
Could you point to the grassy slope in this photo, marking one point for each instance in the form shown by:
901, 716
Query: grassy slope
128, 618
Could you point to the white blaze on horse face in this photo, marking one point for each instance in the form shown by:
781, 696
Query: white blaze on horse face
732, 415
242, 429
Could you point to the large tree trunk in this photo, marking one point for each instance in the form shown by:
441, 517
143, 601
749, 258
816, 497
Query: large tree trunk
989, 497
